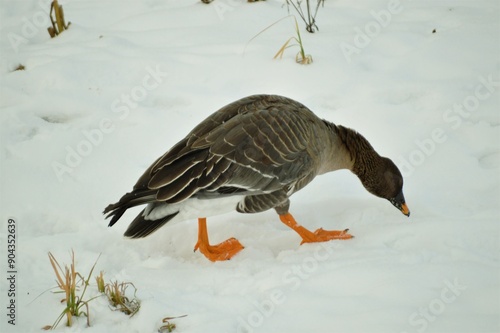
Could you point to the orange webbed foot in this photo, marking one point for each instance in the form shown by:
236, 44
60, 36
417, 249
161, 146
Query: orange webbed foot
223, 251
322, 235
319, 235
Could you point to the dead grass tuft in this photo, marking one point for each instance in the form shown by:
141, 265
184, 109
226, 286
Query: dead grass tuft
73, 285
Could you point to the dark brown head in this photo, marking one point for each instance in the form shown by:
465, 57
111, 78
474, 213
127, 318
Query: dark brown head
382, 178
379, 175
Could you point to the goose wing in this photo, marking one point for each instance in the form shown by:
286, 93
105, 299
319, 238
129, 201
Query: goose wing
257, 145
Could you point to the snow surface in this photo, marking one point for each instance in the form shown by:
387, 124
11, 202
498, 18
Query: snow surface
97, 105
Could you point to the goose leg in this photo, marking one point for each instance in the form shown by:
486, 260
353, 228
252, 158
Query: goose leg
223, 251
308, 236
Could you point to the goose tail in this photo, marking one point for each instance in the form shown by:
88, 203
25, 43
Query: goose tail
129, 200
140, 227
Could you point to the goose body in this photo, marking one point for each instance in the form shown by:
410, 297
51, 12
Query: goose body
251, 156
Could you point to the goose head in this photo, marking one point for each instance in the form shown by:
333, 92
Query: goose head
382, 178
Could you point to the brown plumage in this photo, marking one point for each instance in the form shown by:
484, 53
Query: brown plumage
252, 155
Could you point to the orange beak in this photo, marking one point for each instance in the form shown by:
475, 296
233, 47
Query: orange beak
405, 210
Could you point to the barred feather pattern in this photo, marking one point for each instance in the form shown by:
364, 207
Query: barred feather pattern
263, 147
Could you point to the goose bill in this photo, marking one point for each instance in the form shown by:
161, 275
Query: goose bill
399, 203
404, 209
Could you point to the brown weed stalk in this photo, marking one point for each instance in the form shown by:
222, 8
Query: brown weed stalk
116, 293
69, 281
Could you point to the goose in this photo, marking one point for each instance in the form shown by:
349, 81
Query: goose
250, 156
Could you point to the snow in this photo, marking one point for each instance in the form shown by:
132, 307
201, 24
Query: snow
99, 103
194, 208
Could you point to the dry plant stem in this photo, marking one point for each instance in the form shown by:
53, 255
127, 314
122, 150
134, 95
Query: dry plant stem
311, 19
116, 295
68, 281
19, 67
58, 11
59, 25
67, 285
301, 57
100, 282
168, 326
265, 29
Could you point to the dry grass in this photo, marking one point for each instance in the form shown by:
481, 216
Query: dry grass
308, 17
74, 287
167, 325
19, 67
58, 22
301, 57
70, 282
101, 286
116, 293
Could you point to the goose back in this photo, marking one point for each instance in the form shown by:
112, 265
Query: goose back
262, 147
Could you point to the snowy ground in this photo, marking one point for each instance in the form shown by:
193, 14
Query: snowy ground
96, 105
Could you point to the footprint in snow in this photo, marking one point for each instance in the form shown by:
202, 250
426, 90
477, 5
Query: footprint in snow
490, 161
56, 118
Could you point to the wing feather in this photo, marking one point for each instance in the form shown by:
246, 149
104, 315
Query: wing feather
258, 146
